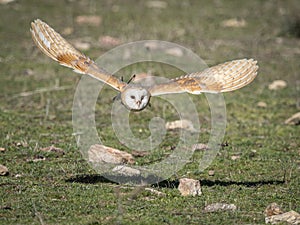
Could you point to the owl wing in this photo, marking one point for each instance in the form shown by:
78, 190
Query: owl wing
56, 47
224, 77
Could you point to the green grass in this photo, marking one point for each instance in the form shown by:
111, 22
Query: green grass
66, 190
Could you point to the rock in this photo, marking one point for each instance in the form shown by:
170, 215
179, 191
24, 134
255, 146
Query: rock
108, 41
126, 171
262, 104
157, 4
219, 207
200, 147
3, 170
54, 149
67, 31
189, 187
290, 217
211, 172
180, 124
89, 20
2, 149
82, 45
277, 84
137, 153
234, 22
103, 154
294, 119
235, 157
175, 52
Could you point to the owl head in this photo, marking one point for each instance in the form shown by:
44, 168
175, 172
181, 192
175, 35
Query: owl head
135, 98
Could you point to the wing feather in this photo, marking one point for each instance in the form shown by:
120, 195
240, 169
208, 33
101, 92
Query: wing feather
56, 47
225, 77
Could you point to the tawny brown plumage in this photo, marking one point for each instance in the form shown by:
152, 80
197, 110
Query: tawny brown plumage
224, 77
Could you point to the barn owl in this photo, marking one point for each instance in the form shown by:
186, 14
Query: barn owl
224, 77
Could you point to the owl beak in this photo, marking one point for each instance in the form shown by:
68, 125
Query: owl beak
138, 103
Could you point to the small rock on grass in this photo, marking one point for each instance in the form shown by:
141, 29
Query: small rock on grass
277, 84
262, 105
294, 119
100, 153
200, 147
2, 149
189, 187
91, 20
3, 170
219, 207
180, 124
274, 215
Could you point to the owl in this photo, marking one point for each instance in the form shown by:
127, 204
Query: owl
224, 77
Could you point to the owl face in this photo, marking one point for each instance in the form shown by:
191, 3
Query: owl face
135, 98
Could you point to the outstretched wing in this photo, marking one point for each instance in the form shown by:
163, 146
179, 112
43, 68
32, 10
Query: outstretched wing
224, 77
57, 48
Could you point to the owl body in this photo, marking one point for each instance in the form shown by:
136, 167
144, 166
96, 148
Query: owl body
224, 77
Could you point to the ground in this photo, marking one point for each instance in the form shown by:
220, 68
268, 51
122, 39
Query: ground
258, 162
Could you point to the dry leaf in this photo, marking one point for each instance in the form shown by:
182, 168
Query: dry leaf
219, 207
100, 153
277, 84
88, 20
189, 187
53, 149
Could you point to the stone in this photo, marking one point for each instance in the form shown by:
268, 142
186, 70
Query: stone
3, 170
277, 84
290, 217
294, 119
219, 207
180, 124
189, 187
262, 105
89, 20
103, 154
126, 171
273, 209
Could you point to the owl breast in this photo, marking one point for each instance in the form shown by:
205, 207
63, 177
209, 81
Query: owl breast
135, 98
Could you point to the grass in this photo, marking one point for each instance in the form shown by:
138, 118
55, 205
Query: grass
66, 190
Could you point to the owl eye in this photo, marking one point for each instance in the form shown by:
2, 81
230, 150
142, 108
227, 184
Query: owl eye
132, 96
142, 97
